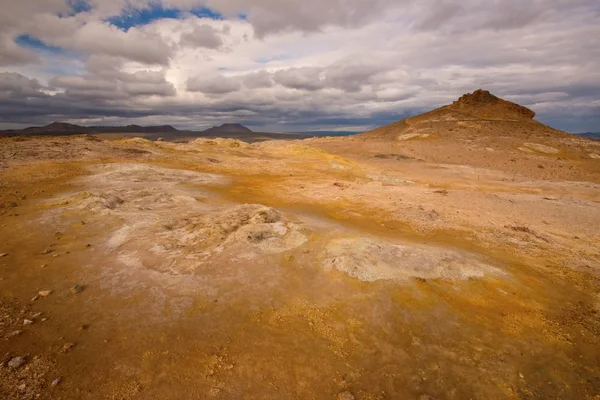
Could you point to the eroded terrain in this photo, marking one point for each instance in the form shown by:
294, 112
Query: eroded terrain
317, 269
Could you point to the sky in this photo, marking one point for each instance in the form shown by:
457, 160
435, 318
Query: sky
290, 65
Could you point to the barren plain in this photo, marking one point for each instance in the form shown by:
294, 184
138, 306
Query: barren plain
452, 255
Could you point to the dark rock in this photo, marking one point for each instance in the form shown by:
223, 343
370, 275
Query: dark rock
76, 289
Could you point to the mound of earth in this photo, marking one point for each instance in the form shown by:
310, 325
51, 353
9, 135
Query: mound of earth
233, 143
129, 175
247, 228
128, 200
182, 243
371, 260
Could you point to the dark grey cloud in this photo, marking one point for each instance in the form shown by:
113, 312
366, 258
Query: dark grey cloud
202, 36
119, 85
257, 80
343, 75
302, 78
274, 16
13, 84
213, 85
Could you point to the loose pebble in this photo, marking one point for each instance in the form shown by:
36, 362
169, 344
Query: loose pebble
43, 265
16, 362
76, 289
36, 315
45, 293
67, 347
44, 319
35, 298
27, 322
13, 334
56, 382
3, 254
47, 251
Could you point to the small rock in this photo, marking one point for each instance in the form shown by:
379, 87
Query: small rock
76, 289
13, 334
345, 396
88, 245
16, 362
3, 254
36, 315
55, 255
56, 382
35, 298
27, 322
47, 251
43, 265
44, 319
67, 347
83, 327
45, 293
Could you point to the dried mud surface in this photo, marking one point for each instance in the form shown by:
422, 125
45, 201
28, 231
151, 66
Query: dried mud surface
321, 269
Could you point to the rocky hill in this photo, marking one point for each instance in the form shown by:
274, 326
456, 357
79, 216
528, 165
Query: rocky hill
483, 130
479, 111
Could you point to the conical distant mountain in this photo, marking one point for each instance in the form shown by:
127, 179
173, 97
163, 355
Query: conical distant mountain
229, 128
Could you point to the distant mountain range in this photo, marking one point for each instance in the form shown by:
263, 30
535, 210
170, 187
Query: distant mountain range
63, 128
591, 135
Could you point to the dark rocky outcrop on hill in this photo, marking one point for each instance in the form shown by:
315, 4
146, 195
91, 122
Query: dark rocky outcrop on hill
485, 105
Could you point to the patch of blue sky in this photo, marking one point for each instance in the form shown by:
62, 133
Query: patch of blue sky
206, 12
78, 6
33, 43
136, 17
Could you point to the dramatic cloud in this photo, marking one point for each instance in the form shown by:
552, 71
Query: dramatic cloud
12, 84
202, 36
216, 84
285, 65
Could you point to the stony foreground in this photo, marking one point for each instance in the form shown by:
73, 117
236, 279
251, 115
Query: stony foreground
317, 269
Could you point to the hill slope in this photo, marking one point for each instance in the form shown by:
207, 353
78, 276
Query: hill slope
479, 111
482, 130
